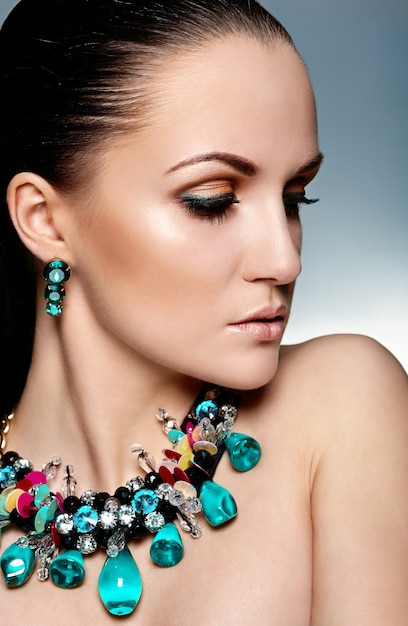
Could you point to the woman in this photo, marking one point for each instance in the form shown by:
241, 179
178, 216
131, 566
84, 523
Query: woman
155, 157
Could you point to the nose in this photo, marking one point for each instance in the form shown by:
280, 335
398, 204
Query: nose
273, 246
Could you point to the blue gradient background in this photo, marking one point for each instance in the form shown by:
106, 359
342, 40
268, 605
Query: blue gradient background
355, 239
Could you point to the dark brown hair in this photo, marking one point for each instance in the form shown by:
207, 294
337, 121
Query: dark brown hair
73, 73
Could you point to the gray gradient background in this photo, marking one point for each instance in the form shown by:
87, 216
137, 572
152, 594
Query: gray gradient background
355, 239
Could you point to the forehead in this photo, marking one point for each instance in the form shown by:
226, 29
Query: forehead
234, 95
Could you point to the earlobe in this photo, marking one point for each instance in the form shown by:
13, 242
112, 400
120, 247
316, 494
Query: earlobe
33, 203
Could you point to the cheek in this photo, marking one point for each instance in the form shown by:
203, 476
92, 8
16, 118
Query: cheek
159, 262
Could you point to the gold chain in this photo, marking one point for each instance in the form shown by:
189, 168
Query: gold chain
4, 428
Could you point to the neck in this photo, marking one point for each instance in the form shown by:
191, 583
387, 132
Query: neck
88, 398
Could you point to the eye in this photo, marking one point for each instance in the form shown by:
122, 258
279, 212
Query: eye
210, 207
292, 202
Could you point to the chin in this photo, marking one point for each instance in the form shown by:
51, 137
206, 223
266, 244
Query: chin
246, 375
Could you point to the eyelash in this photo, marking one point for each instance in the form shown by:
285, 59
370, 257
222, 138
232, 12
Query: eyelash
209, 207
293, 201
216, 207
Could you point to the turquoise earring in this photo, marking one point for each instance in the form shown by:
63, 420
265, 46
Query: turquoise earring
56, 273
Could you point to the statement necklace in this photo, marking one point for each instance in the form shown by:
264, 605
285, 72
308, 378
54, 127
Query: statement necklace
61, 528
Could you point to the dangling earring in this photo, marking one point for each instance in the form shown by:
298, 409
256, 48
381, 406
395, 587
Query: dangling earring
56, 273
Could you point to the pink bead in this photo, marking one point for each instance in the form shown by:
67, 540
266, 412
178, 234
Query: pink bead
36, 478
24, 505
60, 499
189, 432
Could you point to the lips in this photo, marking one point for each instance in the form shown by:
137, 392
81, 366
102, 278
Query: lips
266, 324
265, 315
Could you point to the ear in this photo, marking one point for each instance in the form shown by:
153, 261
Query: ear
34, 207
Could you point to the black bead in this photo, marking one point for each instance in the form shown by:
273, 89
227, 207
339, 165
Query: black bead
167, 510
196, 476
100, 499
71, 504
9, 458
137, 528
102, 537
22, 473
153, 479
123, 495
69, 541
26, 524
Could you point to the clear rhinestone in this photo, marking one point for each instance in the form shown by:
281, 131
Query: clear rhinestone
137, 449
64, 524
42, 574
23, 542
176, 498
192, 506
161, 415
154, 522
33, 539
184, 525
108, 520
147, 462
126, 515
196, 532
164, 490
112, 505
112, 551
116, 543
87, 544
207, 431
23, 464
228, 411
69, 482
135, 484
50, 469
88, 497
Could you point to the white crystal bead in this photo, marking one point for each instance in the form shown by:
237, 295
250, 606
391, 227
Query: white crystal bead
192, 506
88, 497
87, 544
176, 498
126, 515
154, 522
116, 543
164, 490
108, 520
112, 505
64, 524
42, 574
135, 484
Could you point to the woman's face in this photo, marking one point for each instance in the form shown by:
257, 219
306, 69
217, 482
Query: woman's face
187, 249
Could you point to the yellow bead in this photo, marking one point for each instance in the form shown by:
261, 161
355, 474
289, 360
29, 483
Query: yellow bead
184, 460
11, 500
183, 445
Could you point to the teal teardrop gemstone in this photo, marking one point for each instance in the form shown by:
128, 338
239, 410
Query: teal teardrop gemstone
244, 451
17, 564
120, 583
218, 504
175, 435
167, 547
68, 569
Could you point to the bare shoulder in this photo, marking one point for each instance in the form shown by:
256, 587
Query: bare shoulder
354, 396
347, 373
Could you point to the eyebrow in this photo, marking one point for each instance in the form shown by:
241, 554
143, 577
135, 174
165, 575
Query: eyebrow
241, 165
313, 165
238, 163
